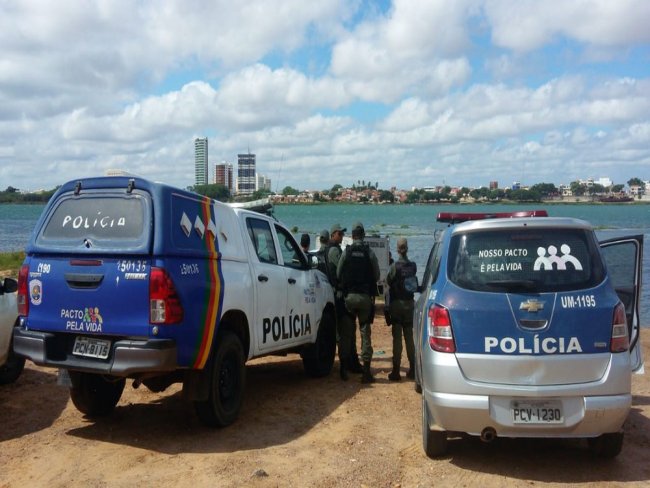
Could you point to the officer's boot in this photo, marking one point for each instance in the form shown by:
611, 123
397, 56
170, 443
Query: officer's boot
394, 374
410, 374
366, 375
344, 369
353, 363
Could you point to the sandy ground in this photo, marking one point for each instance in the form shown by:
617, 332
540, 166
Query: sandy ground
293, 431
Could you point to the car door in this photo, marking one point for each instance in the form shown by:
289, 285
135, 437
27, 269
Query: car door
624, 258
301, 311
270, 286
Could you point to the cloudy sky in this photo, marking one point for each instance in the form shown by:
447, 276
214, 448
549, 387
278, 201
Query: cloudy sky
403, 92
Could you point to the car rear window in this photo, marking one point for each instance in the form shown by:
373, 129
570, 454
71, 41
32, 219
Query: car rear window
535, 260
106, 221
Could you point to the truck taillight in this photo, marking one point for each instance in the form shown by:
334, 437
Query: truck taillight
164, 304
22, 300
620, 341
441, 337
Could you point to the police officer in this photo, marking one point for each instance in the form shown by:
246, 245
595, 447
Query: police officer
402, 283
358, 273
321, 254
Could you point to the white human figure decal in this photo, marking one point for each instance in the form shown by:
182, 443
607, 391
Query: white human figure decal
568, 258
542, 262
554, 258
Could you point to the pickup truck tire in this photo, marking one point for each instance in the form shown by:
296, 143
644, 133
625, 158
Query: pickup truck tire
95, 395
227, 380
318, 358
12, 368
434, 442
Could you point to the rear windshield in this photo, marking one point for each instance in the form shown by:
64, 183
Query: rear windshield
535, 260
104, 221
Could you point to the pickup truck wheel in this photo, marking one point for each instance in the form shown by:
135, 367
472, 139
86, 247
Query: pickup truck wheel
227, 381
95, 395
10, 371
607, 446
318, 358
434, 442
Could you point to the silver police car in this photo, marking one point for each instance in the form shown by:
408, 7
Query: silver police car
527, 326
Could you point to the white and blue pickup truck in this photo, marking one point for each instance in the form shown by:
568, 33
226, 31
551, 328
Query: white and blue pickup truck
127, 278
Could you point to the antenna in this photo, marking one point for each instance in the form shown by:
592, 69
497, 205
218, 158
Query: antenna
279, 173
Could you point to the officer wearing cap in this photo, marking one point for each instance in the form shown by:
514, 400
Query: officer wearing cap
402, 283
358, 273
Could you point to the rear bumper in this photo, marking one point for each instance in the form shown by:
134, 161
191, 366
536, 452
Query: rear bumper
584, 416
128, 356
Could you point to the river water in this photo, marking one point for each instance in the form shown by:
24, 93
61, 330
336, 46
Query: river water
415, 222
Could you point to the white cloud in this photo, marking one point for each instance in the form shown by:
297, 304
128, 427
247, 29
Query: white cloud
525, 25
96, 85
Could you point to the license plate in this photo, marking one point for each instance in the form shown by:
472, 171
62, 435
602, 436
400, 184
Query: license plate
537, 412
90, 347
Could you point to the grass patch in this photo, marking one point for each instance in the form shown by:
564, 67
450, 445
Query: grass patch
10, 262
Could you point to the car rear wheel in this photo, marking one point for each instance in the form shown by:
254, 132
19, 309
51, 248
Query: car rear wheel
434, 442
318, 358
607, 446
95, 395
227, 381
11, 370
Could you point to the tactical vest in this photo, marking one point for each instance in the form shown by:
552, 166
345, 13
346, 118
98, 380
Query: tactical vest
405, 283
357, 275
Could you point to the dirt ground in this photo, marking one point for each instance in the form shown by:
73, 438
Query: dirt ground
293, 431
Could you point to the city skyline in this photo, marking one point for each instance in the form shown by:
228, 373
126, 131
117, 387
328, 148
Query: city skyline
394, 90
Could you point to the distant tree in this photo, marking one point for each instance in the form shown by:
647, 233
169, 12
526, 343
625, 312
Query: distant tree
11, 189
617, 188
336, 188
596, 189
446, 190
386, 196
287, 190
545, 189
635, 182
464, 191
376, 185
259, 194
216, 192
577, 188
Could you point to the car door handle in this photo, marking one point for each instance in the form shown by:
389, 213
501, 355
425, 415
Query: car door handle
262, 278
292, 281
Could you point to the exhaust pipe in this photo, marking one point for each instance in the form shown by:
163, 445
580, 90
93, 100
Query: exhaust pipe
488, 434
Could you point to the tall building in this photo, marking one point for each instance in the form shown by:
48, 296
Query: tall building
262, 183
201, 161
245, 174
223, 175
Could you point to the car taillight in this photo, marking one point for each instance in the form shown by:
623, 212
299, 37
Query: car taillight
22, 300
620, 341
164, 304
441, 337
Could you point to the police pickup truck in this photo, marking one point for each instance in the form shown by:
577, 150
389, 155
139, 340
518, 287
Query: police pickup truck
126, 278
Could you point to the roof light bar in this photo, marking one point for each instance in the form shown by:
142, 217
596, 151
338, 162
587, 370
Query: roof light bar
456, 217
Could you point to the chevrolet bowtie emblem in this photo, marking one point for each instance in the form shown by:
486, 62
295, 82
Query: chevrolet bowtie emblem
531, 306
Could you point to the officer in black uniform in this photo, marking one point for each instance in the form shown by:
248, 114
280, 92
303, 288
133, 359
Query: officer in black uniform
402, 283
358, 273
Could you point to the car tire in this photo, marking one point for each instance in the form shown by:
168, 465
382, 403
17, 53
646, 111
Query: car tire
607, 446
434, 442
318, 358
95, 395
417, 381
227, 372
12, 368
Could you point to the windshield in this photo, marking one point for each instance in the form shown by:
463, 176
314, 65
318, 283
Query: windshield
525, 260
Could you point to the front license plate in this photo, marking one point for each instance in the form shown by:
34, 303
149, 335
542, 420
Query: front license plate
90, 347
537, 412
